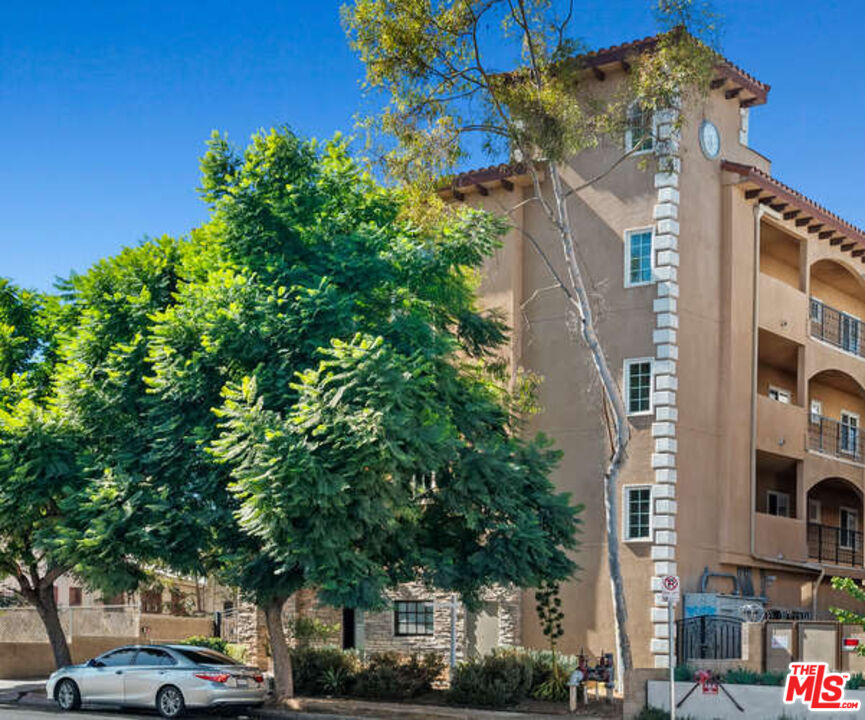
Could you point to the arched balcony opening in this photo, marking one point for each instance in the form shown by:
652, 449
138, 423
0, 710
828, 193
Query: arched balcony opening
837, 306
836, 412
835, 523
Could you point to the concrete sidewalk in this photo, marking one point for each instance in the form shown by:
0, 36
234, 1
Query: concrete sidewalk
344, 709
23, 692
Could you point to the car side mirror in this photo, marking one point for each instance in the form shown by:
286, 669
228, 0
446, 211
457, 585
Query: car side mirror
93, 662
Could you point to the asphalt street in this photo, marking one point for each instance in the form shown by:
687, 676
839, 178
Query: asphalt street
11, 712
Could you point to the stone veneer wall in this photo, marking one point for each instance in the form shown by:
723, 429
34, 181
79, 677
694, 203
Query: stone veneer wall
252, 632
378, 627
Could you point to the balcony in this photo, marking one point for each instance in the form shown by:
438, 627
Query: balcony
834, 545
836, 439
783, 309
837, 328
780, 427
781, 537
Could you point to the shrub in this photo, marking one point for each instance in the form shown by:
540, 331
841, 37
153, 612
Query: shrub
856, 681
547, 682
495, 680
684, 673
653, 713
214, 643
743, 676
391, 676
323, 671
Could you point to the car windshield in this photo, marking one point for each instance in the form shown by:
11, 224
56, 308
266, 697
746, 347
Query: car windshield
206, 657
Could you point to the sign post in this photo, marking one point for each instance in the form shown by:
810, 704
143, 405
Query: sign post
670, 593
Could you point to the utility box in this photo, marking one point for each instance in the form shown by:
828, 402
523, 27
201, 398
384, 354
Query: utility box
698, 604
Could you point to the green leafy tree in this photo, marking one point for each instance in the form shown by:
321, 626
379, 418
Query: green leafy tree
303, 393
507, 75
46, 492
855, 590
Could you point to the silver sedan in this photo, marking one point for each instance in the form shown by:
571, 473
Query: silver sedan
169, 678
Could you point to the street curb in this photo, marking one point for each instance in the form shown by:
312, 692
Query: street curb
274, 714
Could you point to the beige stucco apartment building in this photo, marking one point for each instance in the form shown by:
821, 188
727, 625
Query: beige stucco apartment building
731, 306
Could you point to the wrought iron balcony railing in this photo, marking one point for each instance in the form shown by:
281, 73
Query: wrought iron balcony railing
839, 439
834, 545
837, 328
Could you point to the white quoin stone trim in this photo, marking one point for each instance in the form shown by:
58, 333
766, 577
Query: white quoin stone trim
666, 475
668, 257
666, 242
667, 381
664, 522
668, 320
666, 413
663, 429
665, 339
665, 507
666, 445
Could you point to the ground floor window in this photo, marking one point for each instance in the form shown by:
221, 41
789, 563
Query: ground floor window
413, 617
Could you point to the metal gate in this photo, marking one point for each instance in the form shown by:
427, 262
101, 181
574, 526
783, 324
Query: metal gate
709, 637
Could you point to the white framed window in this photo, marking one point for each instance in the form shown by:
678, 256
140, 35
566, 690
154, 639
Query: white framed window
638, 385
637, 510
849, 518
849, 431
778, 503
814, 511
640, 129
816, 310
816, 411
639, 257
780, 394
850, 333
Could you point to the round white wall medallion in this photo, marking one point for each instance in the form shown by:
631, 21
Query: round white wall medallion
710, 139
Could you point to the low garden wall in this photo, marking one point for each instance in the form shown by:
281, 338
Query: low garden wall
758, 701
26, 660
90, 631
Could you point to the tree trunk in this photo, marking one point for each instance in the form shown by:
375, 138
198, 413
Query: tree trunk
621, 434
43, 601
282, 674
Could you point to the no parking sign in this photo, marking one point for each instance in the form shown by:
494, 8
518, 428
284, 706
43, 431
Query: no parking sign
670, 589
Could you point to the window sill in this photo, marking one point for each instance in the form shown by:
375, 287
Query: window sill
645, 283
639, 540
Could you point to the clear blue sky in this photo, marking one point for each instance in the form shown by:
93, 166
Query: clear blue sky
105, 106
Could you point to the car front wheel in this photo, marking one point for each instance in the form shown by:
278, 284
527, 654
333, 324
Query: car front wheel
169, 702
67, 696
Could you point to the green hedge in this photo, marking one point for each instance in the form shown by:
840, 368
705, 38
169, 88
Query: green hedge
382, 676
390, 676
323, 671
502, 678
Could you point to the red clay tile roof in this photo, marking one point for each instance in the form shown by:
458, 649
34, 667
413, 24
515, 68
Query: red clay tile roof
728, 70
820, 218
470, 178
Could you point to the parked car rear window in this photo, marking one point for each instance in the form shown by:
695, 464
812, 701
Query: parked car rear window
152, 656
206, 657
119, 657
